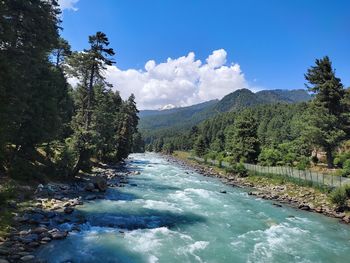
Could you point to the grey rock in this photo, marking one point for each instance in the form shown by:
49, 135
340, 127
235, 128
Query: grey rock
89, 187
101, 184
27, 258
59, 235
39, 230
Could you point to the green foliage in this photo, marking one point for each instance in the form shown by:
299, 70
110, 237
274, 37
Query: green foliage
174, 124
303, 163
200, 147
270, 157
237, 169
46, 127
242, 141
339, 197
326, 119
341, 158
138, 143
168, 148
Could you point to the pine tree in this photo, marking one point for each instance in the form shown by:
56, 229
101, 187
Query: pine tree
200, 148
242, 139
326, 112
31, 89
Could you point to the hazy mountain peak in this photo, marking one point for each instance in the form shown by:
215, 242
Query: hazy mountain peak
168, 107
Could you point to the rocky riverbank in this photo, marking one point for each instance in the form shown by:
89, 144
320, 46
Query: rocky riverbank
51, 214
300, 197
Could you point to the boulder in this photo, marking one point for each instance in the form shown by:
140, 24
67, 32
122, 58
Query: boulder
3, 260
304, 207
101, 184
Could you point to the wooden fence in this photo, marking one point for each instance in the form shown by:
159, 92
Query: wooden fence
287, 171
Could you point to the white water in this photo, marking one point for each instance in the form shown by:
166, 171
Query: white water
176, 215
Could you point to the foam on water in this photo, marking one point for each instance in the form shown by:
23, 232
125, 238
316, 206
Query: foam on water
176, 215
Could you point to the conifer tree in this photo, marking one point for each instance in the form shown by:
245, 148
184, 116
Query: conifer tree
325, 118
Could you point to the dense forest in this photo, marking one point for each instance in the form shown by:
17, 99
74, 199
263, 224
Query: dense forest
274, 133
46, 126
157, 123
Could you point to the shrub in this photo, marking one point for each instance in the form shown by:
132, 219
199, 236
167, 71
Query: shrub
237, 169
304, 162
341, 159
347, 190
339, 197
346, 167
270, 157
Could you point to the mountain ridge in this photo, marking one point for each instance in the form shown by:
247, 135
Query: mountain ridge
191, 115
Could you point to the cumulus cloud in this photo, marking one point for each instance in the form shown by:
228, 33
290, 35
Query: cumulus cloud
178, 82
68, 4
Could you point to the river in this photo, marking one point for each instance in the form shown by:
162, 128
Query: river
171, 214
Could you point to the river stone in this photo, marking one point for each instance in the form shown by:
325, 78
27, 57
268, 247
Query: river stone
27, 258
89, 187
101, 184
33, 244
39, 230
58, 235
304, 207
29, 238
3, 260
46, 239
4, 251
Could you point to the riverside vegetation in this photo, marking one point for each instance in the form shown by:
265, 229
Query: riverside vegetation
48, 130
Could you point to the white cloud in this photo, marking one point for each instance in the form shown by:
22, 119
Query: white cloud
68, 4
178, 82
217, 58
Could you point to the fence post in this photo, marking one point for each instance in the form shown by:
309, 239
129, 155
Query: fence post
323, 179
332, 180
340, 180
312, 181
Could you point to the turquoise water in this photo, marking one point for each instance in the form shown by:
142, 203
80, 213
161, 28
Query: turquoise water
176, 215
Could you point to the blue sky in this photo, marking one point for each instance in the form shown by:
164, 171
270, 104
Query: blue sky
273, 42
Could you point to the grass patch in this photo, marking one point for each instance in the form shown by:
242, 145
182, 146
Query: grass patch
281, 180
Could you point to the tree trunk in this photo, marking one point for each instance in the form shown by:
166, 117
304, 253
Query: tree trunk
88, 113
329, 158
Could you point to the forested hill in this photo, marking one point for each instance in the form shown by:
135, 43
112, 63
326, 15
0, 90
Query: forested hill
154, 121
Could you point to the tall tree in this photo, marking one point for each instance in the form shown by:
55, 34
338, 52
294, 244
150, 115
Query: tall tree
326, 117
30, 87
242, 140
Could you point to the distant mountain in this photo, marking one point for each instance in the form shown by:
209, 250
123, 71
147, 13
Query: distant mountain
150, 119
244, 98
185, 117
